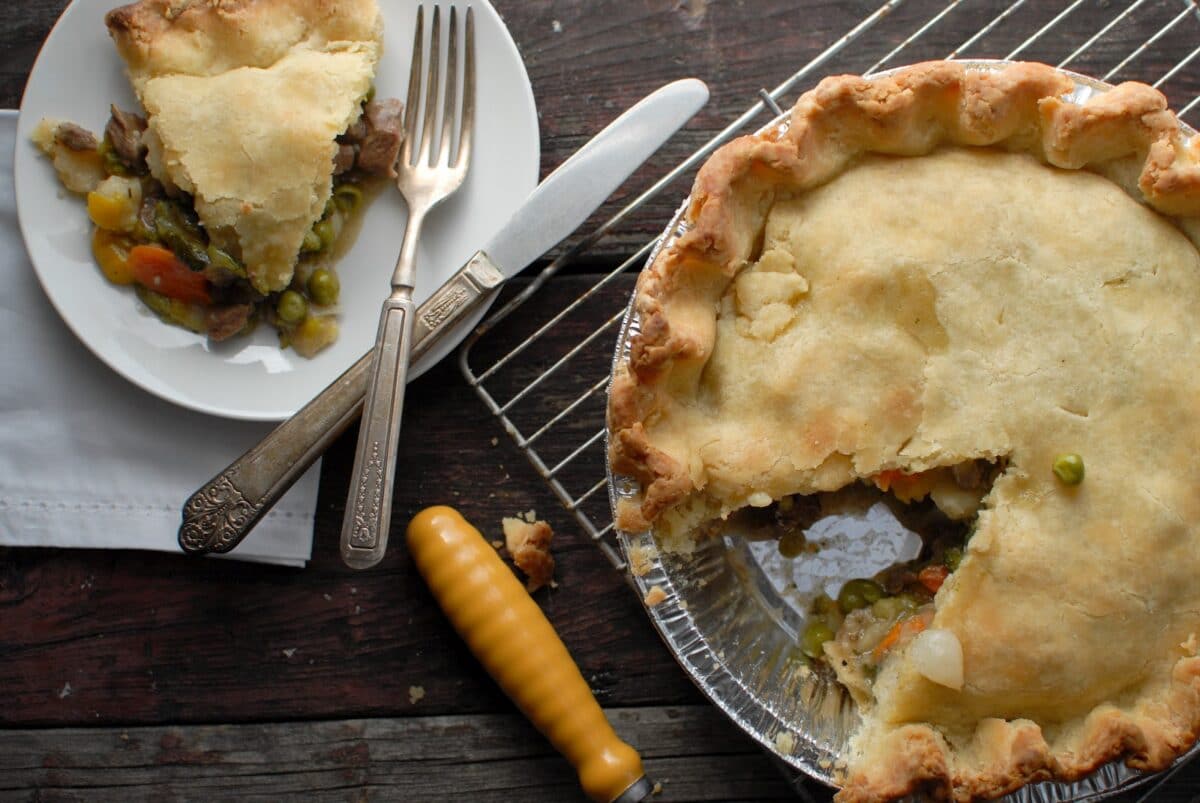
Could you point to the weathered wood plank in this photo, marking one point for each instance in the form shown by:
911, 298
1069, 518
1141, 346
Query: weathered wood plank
692, 751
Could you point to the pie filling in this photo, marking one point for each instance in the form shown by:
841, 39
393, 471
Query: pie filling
225, 204
147, 234
1001, 346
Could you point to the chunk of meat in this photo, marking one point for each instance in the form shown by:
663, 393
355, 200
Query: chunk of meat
356, 133
74, 137
222, 323
343, 160
124, 133
384, 115
529, 544
385, 133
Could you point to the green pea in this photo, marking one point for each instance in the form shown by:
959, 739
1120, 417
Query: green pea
952, 557
792, 543
1068, 468
888, 607
323, 287
291, 307
814, 638
347, 197
221, 259
312, 242
857, 594
327, 229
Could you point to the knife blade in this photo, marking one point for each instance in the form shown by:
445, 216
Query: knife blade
220, 514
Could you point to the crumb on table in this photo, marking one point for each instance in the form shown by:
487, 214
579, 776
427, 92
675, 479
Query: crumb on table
528, 541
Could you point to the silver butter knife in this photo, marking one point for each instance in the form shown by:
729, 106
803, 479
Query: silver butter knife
220, 514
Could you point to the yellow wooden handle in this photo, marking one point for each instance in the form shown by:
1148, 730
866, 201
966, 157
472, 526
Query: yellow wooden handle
511, 637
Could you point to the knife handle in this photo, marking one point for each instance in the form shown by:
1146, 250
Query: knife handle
514, 641
219, 515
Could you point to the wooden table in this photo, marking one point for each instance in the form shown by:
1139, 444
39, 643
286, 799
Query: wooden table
153, 677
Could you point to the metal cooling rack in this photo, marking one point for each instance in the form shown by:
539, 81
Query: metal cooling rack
524, 377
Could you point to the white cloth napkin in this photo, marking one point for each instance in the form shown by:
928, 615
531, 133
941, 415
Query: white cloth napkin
88, 459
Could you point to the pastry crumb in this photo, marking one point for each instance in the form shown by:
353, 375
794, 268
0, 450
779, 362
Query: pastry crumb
824, 763
495, 441
785, 742
528, 541
657, 789
654, 596
498, 544
641, 559
415, 693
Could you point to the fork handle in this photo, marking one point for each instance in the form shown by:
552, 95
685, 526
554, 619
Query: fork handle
221, 513
369, 507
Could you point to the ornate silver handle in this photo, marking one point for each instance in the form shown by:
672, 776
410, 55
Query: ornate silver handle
369, 506
219, 515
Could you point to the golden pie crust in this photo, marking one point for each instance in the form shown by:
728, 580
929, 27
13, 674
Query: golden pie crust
1027, 287
244, 100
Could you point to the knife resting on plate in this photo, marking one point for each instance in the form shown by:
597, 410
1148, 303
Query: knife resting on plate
219, 515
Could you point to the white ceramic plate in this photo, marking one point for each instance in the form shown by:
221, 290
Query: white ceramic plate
78, 74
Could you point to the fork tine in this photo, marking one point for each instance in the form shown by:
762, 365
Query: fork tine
426, 155
467, 125
450, 109
413, 102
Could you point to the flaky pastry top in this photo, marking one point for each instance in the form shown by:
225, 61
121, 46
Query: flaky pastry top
209, 37
244, 100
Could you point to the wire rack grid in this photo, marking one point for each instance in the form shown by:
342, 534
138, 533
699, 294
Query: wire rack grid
550, 398
546, 380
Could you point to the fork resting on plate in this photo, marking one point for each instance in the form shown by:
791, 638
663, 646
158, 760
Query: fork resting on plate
427, 175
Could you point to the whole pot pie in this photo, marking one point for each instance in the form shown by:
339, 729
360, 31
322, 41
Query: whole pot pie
957, 286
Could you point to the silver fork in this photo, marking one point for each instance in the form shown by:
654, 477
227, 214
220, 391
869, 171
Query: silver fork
427, 175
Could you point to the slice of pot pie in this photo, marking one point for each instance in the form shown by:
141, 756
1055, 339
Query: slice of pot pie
245, 101
930, 278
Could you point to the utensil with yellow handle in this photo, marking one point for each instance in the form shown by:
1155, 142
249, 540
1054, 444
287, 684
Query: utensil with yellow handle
514, 641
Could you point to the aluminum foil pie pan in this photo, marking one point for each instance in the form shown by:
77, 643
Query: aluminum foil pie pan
733, 611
